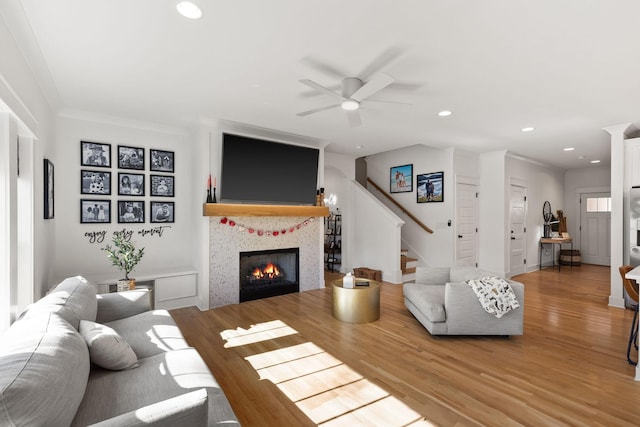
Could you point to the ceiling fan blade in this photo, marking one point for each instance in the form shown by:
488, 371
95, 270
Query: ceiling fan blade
388, 105
380, 62
325, 68
314, 93
354, 118
317, 110
377, 83
322, 89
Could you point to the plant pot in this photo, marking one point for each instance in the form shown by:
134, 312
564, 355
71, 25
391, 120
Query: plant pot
126, 284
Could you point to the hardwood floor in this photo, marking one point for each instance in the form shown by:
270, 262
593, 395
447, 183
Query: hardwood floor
285, 361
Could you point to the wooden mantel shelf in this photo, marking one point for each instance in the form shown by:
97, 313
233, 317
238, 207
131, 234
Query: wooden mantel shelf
223, 209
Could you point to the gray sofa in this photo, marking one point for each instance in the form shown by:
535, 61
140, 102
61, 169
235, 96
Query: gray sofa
442, 301
48, 379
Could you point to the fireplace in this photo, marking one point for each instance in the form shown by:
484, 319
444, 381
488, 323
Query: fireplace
269, 273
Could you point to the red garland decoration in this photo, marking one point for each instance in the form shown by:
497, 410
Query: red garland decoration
275, 233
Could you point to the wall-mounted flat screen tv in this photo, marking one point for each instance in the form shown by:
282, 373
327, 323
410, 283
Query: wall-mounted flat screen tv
260, 171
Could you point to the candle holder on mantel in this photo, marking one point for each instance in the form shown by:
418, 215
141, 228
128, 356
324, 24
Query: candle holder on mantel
213, 200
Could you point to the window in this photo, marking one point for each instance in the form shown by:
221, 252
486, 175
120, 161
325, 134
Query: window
598, 204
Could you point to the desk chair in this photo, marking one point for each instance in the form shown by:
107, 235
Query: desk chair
631, 286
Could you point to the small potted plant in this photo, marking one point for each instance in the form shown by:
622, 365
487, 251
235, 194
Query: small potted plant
123, 254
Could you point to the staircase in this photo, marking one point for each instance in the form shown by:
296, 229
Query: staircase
408, 266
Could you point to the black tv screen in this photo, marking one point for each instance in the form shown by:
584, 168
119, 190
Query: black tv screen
261, 171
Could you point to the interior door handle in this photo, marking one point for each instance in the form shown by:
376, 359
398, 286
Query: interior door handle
513, 238
459, 236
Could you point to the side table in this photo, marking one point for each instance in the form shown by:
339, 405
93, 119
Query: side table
360, 304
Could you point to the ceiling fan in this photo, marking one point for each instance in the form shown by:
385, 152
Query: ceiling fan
354, 93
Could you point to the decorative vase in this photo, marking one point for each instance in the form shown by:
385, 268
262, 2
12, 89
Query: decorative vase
126, 285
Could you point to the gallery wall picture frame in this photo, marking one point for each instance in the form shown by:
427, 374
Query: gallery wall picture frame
130, 184
95, 182
162, 160
401, 179
130, 211
49, 195
94, 211
95, 154
430, 187
162, 212
130, 157
162, 185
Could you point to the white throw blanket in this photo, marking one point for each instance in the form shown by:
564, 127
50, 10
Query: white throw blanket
495, 295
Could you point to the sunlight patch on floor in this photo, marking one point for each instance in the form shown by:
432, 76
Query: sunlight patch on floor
326, 390
256, 333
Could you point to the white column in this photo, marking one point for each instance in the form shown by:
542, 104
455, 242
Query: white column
618, 188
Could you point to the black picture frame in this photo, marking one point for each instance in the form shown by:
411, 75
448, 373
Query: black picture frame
161, 160
162, 185
130, 211
93, 182
430, 187
162, 212
49, 195
95, 154
401, 179
130, 157
130, 184
95, 211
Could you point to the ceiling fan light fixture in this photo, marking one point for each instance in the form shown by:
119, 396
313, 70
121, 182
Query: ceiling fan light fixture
350, 105
189, 9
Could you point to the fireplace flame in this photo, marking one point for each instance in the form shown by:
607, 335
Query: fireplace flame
270, 271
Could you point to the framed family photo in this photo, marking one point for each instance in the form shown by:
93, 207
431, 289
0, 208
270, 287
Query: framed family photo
401, 179
95, 154
430, 187
129, 211
162, 185
95, 211
48, 190
130, 184
95, 182
162, 161
130, 157
162, 212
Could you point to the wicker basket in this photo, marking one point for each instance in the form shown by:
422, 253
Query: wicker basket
570, 257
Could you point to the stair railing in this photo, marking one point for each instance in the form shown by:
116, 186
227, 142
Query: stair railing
402, 208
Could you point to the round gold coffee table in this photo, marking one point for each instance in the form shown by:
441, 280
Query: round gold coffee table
360, 304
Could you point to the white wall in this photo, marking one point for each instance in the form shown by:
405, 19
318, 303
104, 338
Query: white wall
492, 213
543, 183
21, 96
435, 249
74, 253
576, 181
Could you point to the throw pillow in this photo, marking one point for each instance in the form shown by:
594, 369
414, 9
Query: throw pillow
107, 348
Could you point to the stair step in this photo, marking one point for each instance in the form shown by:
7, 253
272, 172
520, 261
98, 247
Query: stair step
409, 270
409, 278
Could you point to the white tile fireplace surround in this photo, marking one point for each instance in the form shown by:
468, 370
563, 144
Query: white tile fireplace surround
226, 242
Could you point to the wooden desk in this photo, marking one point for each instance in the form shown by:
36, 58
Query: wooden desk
553, 241
634, 274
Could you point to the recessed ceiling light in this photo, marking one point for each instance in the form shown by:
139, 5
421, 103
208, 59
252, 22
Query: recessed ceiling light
528, 129
189, 10
580, 157
358, 147
350, 105
595, 161
569, 149
444, 113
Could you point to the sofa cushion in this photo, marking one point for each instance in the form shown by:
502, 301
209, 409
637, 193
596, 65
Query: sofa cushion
44, 366
432, 275
150, 333
428, 299
462, 273
74, 299
107, 349
166, 375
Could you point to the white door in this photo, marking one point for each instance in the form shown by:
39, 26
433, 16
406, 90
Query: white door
518, 210
467, 224
595, 228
